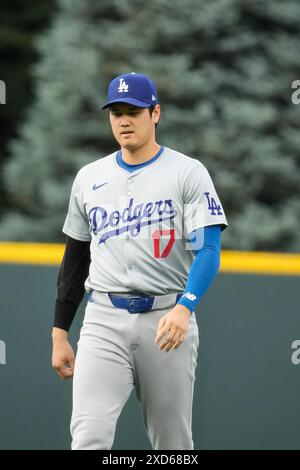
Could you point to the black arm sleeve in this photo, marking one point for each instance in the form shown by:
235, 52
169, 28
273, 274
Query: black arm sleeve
70, 282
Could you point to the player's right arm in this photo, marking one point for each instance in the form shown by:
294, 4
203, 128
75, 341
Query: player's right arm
70, 291
62, 354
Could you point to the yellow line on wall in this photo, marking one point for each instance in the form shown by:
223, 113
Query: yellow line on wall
31, 253
231, 261
260, 262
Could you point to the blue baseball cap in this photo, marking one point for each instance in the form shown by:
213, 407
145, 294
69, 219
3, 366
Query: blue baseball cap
132, 88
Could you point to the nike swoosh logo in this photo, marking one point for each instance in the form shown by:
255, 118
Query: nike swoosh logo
98, 186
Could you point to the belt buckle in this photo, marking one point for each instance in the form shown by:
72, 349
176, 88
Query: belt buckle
134, 304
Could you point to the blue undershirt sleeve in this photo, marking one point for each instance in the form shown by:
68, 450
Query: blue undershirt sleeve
204, 267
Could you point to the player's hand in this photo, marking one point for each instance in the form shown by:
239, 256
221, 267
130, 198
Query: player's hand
173, 327
62, 355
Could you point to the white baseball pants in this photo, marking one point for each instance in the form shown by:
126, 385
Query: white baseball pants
117, 352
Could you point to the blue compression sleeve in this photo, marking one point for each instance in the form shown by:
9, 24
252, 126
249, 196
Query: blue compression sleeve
204, 267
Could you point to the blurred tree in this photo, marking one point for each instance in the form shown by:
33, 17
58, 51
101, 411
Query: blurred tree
224, 71
21, 20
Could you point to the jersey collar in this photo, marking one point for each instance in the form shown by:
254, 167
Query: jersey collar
130, 168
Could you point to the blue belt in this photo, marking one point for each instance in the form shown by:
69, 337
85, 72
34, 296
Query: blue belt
135, 303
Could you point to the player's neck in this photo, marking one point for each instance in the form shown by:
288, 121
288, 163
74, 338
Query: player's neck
141, 154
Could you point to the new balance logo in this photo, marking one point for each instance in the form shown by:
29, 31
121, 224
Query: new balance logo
214, 208
153, 98
123, 87
190, 296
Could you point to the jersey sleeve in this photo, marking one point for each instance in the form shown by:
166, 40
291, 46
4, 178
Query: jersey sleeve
76, 223
202, 206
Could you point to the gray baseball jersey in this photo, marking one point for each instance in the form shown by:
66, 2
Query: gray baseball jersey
138, 222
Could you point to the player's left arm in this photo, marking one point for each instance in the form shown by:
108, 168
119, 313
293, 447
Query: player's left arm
173, 326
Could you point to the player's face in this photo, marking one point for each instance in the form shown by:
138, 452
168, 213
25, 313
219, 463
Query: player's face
133, 127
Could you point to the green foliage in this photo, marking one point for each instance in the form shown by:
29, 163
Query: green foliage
224, 70
21, 20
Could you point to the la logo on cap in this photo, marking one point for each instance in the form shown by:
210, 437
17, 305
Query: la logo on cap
123, 87
134, 89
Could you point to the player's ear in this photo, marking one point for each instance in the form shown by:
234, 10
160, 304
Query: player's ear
156, 113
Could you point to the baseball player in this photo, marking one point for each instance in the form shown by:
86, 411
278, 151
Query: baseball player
143, 238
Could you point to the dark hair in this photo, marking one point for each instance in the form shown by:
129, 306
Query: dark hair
151, 109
